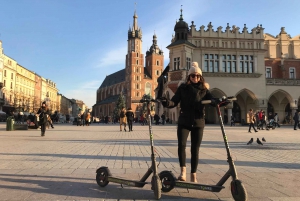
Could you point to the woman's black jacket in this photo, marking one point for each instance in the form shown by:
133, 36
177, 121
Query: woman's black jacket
192, 113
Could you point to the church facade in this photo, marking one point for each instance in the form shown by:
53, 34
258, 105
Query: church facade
138, 78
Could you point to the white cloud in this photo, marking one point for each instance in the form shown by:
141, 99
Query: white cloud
115, 56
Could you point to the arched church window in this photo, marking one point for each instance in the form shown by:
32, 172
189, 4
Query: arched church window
137, 61
137, 54
137, 86
157, 63
148, 89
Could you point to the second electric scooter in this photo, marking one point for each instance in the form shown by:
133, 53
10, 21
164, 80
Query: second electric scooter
238, 191
104, 176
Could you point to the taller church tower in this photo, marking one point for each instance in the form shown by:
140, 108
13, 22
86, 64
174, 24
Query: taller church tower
134, 63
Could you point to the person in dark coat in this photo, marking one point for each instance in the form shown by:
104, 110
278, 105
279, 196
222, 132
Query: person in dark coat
43, 112
296, 119
130, 116
163, 118
191, 118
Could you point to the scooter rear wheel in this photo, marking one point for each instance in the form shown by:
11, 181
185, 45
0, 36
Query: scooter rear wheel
156, 186
102, 177
238, 191
167, 181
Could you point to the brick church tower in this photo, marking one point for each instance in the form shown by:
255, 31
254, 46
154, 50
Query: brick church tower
141, 80
135, 80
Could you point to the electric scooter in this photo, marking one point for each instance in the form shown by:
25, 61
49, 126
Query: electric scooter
238, 191
104, 176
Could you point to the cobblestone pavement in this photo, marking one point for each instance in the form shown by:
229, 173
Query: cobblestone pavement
62, 165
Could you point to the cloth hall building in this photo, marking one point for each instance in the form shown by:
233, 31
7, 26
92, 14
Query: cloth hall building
261, 70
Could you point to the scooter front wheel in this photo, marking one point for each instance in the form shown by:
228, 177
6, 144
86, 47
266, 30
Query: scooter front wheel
238, 191
156, 186
102, 176
167, 180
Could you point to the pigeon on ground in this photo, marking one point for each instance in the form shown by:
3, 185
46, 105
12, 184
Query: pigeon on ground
263, 139
259, 142
250, 141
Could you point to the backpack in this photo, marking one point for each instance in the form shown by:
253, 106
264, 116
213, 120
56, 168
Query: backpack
122, 114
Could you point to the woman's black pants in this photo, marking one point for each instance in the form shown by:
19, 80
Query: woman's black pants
196, 139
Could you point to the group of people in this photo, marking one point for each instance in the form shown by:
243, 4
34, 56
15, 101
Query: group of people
83, 119
126, 117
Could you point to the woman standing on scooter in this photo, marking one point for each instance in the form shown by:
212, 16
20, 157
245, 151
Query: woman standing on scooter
191, 118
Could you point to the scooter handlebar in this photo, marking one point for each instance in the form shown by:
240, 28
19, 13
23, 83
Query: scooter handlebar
148, 100
219, 100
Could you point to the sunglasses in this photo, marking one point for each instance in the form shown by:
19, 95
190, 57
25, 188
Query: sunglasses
194, 75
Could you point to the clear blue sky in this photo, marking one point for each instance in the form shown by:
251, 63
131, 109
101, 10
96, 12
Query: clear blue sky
76, 43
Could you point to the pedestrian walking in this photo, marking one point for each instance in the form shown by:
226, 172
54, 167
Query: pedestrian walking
232, 121
123, 119
251, 117
79, 118
276, 120
296, 119
130, 116
163, 118
88, 119
43, 112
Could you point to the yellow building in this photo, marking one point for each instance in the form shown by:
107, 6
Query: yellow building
24, 89
9, 80
51, 95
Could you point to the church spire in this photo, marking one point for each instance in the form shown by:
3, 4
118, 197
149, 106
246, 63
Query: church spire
135, 31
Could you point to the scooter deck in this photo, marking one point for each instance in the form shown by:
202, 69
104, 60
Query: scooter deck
127, 182
204, 187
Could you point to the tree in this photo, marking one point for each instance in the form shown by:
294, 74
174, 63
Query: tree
119, 105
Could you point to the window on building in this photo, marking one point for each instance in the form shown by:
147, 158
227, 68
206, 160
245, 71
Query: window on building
229, 63
176, 63
11, 85
137, 86
148, 89
137, 94
157, 63
157, 72
12, 76
4, 73
137, 62
292, 73
211, 63
268, 72
4, 83
137, 54
188, 63
246, 64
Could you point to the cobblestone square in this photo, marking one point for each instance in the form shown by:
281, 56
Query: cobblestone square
62, 165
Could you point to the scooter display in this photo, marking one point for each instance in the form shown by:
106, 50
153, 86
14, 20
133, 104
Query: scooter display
238, 191
104, 176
